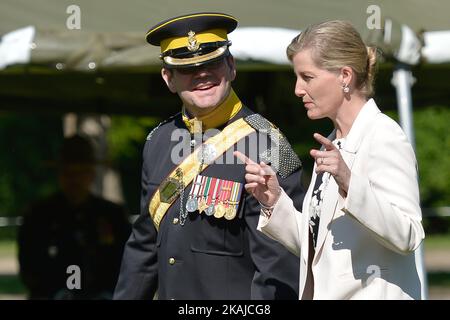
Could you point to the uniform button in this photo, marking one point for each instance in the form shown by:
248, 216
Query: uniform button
175, 220
172, 261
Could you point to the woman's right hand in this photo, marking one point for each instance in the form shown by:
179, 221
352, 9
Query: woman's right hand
262, 182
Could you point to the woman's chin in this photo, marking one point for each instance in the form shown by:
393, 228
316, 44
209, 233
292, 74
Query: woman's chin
313, 115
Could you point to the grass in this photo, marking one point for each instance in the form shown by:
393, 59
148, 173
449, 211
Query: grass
437, 241
12, 285
8, 248
439, 279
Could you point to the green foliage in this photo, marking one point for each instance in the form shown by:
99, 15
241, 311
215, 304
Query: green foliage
433, 154
28, 143
127, 136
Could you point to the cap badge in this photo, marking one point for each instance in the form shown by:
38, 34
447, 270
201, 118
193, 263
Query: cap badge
193, 44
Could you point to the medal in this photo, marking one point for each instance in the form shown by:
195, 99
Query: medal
204, 202
209, 211
224, 195
233, 204
192, 204
201, 201
230, 212
220, 211
202, 205
207, 154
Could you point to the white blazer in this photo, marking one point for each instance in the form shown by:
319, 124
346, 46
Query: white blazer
366, 242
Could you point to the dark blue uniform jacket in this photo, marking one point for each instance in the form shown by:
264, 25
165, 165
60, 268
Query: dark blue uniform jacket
211, 258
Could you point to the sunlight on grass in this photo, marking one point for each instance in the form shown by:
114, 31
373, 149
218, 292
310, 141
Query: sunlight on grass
440, 241
8, 248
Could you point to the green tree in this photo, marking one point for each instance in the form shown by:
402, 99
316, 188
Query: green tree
126, 139
433, 154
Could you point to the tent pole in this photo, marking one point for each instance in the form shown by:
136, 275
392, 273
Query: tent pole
403, 80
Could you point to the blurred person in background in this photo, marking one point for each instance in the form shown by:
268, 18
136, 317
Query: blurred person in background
72, 227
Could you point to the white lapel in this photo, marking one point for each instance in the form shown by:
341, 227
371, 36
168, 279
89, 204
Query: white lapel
330, 200
362, 124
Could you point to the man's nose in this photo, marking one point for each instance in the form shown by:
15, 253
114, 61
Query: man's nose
201, 72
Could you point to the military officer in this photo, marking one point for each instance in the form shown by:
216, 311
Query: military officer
196, 236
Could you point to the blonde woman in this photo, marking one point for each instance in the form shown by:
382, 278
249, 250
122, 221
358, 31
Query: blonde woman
361, 219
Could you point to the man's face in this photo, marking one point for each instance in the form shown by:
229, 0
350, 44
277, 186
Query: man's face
202, 88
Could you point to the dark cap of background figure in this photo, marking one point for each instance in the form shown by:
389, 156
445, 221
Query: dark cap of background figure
77, 149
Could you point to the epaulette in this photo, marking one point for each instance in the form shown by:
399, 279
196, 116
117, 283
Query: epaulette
149, 136
281, 156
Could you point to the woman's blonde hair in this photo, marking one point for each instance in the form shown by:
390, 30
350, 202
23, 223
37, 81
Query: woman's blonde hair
336, 44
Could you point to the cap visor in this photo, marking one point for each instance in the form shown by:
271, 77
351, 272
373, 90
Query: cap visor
195, 61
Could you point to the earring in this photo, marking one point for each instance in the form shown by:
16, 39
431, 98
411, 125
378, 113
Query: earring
345, 88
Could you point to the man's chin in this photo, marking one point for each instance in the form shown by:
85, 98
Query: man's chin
205, 108
207, 103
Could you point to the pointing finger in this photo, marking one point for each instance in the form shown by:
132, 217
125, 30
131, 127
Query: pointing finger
243, 157
324, 141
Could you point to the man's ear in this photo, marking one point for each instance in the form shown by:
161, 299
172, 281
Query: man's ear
167, 75
232, 66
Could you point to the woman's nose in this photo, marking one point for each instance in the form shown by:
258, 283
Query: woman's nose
299, 90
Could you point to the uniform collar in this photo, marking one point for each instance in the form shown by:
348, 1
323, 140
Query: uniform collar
219, 116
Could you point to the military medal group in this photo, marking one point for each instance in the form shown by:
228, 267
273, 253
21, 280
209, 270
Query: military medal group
208, 195
214, 197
